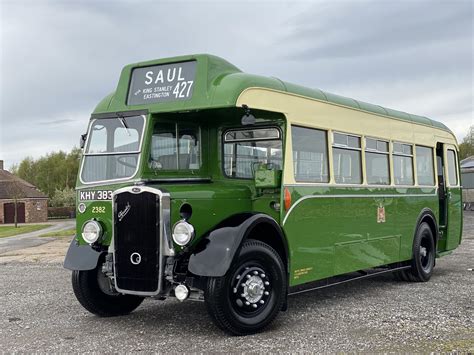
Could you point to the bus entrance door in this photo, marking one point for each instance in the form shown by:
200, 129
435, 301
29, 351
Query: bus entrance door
449, 194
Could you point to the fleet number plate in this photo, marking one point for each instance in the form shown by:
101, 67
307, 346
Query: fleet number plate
96, 195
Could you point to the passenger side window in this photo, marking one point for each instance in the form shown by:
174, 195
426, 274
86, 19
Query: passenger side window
346, 154
245, 148
377, 162
310, 157
452, 171
424, 166
403, 164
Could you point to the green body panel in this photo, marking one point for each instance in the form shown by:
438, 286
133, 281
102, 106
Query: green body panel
211, 203
219, 83
332, 231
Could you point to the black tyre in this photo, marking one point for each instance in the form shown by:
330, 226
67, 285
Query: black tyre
401, 275
250, 295
92, 292
424, 254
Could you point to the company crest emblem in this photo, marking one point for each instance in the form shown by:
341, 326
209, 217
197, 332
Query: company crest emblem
124, 212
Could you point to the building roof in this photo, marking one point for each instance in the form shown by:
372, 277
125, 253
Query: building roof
12, 186
219, 83
468, 163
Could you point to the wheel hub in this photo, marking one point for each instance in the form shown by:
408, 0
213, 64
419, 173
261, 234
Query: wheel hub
423, 251
251, 288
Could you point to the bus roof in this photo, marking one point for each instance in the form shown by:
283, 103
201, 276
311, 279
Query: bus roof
219, 83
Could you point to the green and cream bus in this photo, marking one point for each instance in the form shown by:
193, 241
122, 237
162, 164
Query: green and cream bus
201, 182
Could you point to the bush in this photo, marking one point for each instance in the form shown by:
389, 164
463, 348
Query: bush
61, 212
63, 198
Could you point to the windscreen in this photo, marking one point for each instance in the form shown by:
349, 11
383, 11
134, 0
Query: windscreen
113, 149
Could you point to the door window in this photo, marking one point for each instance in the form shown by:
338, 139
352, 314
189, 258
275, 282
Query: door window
243, 149
452, 172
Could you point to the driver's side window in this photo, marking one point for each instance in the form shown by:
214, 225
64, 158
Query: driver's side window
175, 147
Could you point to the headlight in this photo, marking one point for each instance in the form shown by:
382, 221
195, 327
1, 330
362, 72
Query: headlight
91, 231
183, 232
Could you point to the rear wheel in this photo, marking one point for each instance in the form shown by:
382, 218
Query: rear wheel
250, 295
92, 290
424, 254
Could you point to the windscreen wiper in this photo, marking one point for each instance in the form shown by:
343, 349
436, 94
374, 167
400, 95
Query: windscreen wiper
124, 124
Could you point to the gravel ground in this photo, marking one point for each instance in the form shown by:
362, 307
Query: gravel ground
38, 312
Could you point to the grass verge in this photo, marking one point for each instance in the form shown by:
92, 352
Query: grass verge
9, 231
63, 233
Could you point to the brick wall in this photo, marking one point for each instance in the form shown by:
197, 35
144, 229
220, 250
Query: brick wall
36, 210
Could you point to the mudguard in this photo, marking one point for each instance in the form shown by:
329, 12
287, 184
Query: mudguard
426, 212
218, 248
81, 257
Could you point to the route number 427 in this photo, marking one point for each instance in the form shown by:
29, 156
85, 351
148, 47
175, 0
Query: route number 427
182, 89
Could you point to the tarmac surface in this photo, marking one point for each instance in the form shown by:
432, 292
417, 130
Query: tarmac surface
33, 239
39, 313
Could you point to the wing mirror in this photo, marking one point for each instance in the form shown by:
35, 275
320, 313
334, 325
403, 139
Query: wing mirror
267, 176
82, 140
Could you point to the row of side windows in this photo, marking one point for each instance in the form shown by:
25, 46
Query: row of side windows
310, 159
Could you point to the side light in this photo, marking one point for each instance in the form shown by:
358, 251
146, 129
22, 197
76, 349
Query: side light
181, 292
287, 198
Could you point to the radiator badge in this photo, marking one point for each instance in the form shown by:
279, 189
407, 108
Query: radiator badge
124, 212
135, 258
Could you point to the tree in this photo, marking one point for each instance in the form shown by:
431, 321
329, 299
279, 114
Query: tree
15, 191
54, 172
466, 148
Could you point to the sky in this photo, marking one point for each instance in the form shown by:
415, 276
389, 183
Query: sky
58, 59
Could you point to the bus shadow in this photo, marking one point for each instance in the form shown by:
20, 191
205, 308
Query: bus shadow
176, 319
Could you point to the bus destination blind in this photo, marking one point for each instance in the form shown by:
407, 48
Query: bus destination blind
162, 83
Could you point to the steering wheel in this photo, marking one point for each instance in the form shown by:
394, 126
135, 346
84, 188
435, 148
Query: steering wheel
125, 163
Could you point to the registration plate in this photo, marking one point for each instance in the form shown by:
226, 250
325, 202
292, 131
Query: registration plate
95, 195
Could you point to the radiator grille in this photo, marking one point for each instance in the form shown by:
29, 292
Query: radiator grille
136, 231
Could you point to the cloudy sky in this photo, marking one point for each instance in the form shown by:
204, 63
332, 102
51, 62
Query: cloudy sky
59, 58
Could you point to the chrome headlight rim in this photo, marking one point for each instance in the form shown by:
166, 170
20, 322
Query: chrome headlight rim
98, 231
189, 233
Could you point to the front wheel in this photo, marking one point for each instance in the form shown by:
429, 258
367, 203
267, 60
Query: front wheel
250, 295
93, 293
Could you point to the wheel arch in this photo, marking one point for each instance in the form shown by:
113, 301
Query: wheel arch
218, 247
270, 232
427, 215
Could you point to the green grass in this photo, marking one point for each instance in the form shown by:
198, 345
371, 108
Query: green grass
9, 231
63, 233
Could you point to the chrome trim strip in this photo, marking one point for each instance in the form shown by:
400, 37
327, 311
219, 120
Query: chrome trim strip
352, 196
166, 245
376, 273
177, 179
365, 186
86, 145
112, 153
